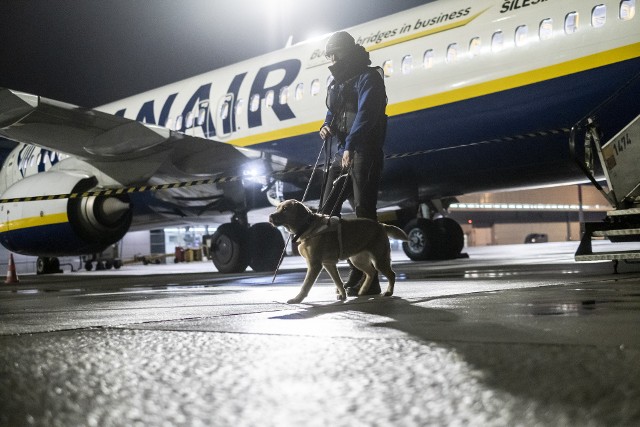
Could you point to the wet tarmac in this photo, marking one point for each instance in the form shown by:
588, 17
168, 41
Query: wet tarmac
512, 335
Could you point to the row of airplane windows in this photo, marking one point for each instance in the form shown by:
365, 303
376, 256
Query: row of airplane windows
626, 12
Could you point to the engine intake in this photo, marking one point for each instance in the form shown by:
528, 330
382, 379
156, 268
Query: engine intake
61, 227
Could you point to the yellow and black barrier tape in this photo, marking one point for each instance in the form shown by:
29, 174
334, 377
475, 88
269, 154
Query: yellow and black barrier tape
223, 179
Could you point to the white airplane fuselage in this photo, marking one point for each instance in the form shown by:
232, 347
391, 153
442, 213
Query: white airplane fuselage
463, 79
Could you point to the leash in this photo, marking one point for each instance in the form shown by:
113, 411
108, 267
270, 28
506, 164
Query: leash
344, 174
304, 196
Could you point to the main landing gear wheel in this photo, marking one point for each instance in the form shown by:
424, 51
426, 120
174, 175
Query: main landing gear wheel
422, 239
451, 238
47, 265
265, 247
441, 238
229, 248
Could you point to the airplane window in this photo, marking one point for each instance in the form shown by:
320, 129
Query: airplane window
239, 106
497, 41
599, 16
283, 97
268, 99
315, 87
474, 46
299, 91
427, 59
189, 120
224, 110
387, 67
179, 122
254, 104
571, 23
407, 64
521, 35
202, 115
546, 29
452, 53
627, 9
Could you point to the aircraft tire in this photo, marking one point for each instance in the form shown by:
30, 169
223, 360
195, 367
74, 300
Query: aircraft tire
265, 247
451, 238
229, 250
423, 239
42, 265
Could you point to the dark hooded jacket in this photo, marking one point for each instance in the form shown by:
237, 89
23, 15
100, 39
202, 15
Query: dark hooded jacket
356, 102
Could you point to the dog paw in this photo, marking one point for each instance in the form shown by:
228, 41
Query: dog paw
388, 294
294, 301
341, 297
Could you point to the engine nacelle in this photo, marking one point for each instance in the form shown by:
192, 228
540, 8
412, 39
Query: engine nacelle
73, 226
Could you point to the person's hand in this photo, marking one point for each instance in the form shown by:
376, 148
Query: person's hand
346, 159
325, 132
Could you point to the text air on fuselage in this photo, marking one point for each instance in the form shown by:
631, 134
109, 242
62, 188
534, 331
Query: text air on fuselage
202, 96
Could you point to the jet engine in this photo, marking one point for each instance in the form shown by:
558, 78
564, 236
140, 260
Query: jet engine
47, 226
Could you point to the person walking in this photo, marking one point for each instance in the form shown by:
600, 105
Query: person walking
356, 104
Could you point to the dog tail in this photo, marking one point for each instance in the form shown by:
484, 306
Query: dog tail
395, 233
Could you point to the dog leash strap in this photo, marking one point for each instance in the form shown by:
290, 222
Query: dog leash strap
304, 197
275, 273
341, 251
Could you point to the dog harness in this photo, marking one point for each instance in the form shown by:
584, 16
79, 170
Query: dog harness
332, 224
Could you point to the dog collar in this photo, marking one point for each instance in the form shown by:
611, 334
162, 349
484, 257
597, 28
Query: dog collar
303, 230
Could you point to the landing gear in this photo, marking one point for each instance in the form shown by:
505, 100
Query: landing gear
451, 238
422, 239
234, 247
47, 265
229, 248
441, 238
265, 247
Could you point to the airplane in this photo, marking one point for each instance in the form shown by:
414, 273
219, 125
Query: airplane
482, 96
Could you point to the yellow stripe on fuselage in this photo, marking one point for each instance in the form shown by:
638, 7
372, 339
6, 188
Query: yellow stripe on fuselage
511, 82
518, 80
425, 33
36, 221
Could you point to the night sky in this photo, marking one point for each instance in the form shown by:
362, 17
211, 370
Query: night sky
91, 52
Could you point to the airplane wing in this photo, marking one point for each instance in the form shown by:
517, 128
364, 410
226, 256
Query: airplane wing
128, 151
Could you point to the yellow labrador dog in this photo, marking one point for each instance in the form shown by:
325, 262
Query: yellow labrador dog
323, 241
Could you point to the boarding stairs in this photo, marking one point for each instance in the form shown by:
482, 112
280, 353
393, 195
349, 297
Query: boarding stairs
619, 160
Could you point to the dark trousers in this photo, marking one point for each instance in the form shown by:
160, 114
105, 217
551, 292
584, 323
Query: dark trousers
362, 188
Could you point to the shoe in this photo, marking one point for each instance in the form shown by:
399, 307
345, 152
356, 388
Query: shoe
374, 289
355, 278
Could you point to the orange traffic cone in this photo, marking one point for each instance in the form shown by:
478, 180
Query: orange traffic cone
12, 277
